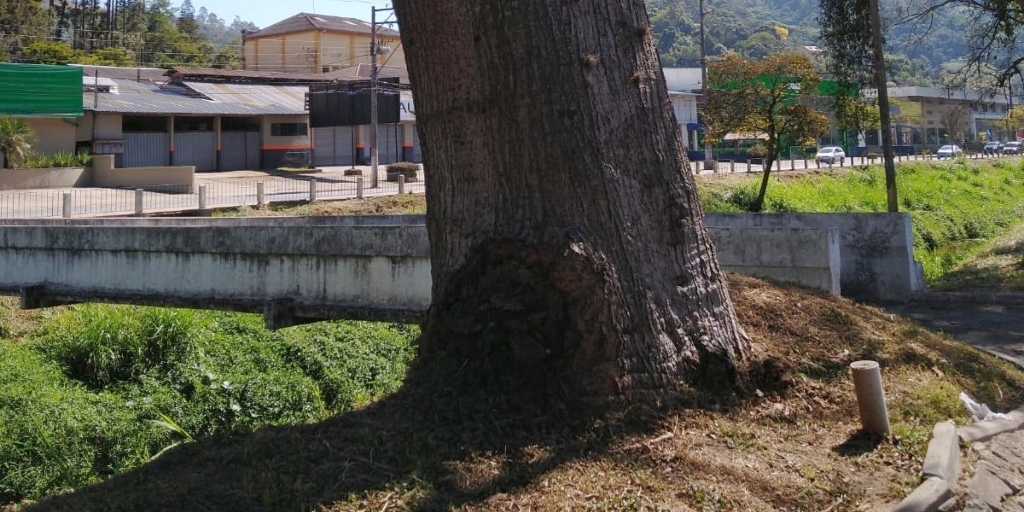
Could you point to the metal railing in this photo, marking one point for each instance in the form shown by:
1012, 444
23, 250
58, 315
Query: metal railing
92, 202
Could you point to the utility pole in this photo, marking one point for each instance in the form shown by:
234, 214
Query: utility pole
375, 50
883, 107
704, 86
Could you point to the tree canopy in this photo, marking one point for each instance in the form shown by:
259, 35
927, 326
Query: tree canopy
770, 96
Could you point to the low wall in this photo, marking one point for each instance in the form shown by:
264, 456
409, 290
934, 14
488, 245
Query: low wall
54, 177
876, 250
292, 270
809, 257
179, 178
102, 173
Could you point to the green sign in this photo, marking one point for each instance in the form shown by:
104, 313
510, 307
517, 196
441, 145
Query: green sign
38, 90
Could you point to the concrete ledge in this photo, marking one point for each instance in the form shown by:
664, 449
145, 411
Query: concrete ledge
804, 256
943, 457
928, 497
54, 177
876, 250
984, 430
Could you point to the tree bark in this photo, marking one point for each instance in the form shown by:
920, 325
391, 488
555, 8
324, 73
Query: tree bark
567, 240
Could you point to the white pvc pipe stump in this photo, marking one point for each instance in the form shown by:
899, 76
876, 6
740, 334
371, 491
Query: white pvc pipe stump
867, 384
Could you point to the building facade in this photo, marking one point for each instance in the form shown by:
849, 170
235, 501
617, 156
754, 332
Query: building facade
317, 43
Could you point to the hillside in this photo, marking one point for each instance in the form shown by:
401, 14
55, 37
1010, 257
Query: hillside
757, 27
436, 446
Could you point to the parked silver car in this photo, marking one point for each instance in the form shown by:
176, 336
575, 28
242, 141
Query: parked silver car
1012, 148
949, 151
830, 155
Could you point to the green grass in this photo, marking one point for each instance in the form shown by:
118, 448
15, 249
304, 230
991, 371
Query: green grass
100, 389
955, 205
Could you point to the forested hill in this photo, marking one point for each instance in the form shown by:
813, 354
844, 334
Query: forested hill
754, 28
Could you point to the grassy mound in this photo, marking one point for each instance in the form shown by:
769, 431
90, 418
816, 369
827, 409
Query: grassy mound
428, 447
97, 390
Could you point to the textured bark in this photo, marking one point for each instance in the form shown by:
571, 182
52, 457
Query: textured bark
566, 234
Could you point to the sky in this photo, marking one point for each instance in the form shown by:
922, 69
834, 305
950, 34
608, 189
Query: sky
267, 12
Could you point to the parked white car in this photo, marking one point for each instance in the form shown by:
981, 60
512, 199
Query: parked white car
949, 151
830, 155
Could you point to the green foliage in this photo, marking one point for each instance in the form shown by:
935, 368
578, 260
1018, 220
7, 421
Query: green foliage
50, 52
102, 389
60, 159
16, 139
954, 205
403, 167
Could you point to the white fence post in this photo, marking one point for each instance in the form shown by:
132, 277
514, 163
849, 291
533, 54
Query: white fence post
359, 187
202, 197
401, 184
261, 199
312, 190
139, 200
66, 206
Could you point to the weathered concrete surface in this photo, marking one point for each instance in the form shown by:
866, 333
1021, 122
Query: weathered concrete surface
809, 257
301, 269
928, 497
292, 270
875, 249
55, 177
942, 459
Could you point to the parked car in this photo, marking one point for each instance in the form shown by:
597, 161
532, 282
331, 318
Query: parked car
1012, 148
993, 147
949, 151
830, 155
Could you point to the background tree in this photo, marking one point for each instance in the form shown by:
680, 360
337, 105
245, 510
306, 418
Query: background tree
568, 250
851, 32
50, 52
15, 141
21, 23
769, 96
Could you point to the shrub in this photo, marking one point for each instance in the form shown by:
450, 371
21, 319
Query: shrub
407, 169
61, 159
757, 151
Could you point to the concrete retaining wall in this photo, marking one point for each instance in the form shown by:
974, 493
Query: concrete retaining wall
102, 173
809, 257
54, 177
292, 272
876, 250
179, 178
302, 269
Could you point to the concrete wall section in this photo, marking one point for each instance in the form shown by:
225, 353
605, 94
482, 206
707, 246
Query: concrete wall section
808, 257
59, 177
173, 178
53, 135
876, 250
292, 274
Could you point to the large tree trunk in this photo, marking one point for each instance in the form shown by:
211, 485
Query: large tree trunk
566, 234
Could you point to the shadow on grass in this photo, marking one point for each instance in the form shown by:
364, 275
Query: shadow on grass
438, 446
859, 443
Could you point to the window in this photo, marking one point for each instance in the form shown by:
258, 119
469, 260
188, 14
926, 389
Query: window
240, 124
193, 124
143, 124
288, 129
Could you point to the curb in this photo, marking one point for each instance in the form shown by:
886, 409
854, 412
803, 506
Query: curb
941, 468
931, 297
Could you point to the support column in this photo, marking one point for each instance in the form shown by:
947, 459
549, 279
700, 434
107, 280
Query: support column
170, 133
216, 131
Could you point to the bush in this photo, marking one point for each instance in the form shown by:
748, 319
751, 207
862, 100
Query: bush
757, 151
103, 389
61, 159
407, 169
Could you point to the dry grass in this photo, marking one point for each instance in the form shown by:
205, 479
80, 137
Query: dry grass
385, 205
431, 447
998, 266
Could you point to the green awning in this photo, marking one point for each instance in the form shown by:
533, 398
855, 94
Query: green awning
38, 90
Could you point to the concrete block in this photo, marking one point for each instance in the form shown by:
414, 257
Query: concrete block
985, 430
943, 457
988, 488
804, 256
928, 497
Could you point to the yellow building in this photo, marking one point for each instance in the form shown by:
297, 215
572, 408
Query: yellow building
317, 43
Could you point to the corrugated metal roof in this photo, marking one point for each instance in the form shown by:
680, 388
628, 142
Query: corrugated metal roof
198, 98
151, 74
261, 76
304, 22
